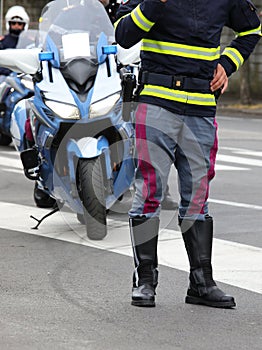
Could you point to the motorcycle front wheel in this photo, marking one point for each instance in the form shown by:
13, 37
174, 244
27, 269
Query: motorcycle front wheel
91, 191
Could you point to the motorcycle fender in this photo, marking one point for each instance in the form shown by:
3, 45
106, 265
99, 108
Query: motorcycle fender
88, 147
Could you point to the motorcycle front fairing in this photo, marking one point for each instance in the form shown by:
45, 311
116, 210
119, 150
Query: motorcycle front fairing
53, 91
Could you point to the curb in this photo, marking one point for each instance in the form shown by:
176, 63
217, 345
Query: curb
233, 109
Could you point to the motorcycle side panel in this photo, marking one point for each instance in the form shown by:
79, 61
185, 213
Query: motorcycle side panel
17, 128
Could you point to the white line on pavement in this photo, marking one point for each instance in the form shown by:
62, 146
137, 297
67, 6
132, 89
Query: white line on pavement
11, 161
243, 151
12, 170
234, 263
236, 204
229, 168
14, 164
239, 160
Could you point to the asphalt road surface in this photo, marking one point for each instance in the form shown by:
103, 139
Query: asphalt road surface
60, 290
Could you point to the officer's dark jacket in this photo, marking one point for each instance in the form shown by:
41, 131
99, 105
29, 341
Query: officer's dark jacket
182, 38
9, 41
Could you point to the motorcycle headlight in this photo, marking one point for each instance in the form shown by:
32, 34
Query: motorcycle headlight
104, 106
28, 83
62, 110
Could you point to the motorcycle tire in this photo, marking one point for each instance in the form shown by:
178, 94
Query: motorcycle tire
92, 194
42, 199
5, 140
81, 218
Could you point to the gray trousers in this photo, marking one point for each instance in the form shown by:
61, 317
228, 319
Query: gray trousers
190, 143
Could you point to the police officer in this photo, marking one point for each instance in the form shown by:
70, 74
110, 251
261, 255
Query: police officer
111, 6
182, 74
16, 20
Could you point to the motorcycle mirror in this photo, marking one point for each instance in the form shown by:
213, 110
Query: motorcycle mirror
46, 56
109, 49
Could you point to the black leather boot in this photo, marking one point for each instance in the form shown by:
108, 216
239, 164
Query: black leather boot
144, 237
198, 238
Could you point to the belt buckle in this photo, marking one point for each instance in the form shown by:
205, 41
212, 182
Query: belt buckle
178, 82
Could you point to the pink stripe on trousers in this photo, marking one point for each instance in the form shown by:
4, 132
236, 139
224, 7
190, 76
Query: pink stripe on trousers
198, 202
144, 163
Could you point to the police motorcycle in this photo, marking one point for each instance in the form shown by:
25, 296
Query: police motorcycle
13, 89
83, 151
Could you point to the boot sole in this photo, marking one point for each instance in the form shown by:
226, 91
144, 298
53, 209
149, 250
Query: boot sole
143, 303
198, 301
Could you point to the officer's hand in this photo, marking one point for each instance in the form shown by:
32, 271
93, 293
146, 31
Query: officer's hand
220, 79
163, 0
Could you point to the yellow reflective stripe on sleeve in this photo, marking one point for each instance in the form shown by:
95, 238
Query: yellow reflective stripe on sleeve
252, 31
140, 20
234, 55
162, 47
179, 96
116, 23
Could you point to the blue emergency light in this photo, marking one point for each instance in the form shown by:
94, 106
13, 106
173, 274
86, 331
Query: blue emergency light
46, 56
109, 49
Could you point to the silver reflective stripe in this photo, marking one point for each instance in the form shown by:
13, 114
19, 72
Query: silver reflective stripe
234, 55
179, 96
162, 47
256, 31
140, 20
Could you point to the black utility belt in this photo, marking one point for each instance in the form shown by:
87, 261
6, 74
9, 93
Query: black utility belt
174, 81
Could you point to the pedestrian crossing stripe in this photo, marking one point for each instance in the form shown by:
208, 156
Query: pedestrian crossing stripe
234, 263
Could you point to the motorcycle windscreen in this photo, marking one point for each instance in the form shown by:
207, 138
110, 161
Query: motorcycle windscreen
74, 27
28, 39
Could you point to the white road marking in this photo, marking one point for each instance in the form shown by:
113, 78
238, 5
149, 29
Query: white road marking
13, 166
12, 170
12, 162
239, 160
234, 263
243, 151
229, 168
236, 204
12, 152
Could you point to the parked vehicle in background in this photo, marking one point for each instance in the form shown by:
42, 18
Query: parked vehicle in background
14, 88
